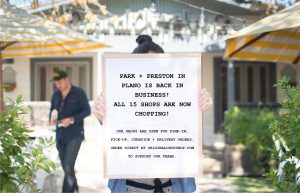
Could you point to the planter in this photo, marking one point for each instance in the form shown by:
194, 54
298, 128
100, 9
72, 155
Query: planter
233, 160
9, 87
239, 163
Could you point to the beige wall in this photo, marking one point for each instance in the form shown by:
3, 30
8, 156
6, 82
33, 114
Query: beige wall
209, 137
280, 67
21, 66
97, 74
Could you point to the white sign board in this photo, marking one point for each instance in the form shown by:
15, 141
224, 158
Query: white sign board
152, 124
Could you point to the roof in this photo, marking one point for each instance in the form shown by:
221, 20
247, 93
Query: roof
163, 6
221, 7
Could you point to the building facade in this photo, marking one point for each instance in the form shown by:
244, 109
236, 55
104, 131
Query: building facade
188, 26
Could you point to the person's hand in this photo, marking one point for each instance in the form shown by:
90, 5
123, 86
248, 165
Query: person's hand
53, 117
100, 108
205, 100
66, 122
52, 122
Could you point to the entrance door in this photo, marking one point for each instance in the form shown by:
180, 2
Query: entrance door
253, 86
79, 73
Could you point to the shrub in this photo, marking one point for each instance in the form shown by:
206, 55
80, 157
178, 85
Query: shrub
287, 126
20, 159
251, 129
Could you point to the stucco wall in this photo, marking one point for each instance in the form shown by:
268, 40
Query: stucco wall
209, 137
21, 66
280, 68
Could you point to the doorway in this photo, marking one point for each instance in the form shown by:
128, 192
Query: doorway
79, 72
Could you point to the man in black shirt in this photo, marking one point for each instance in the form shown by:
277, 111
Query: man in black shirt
72, 107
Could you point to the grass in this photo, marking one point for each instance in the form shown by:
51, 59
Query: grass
252, 185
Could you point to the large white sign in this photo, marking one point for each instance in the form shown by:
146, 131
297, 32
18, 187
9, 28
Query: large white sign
152, 124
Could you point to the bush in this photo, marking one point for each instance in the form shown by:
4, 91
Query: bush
251, 129
287, 126
20, 159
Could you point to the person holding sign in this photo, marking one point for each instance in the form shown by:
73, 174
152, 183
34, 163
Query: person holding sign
157, 185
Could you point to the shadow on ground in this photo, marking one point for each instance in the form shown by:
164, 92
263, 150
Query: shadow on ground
252, 185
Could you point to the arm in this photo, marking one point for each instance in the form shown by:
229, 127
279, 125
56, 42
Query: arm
84, 106
51, 107
85, 110
100, 109
204, 99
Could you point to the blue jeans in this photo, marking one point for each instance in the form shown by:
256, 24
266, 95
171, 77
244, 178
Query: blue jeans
68, 153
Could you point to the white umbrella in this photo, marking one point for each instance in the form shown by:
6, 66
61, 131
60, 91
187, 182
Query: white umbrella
275, 38
23, 34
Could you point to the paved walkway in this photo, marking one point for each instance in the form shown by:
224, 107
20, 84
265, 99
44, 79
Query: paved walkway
89, 169
214, 185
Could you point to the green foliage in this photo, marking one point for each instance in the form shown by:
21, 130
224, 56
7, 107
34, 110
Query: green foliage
287, 126
20, 158
250, 128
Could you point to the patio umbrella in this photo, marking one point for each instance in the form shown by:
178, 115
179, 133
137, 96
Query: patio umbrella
23, 34
275, 38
